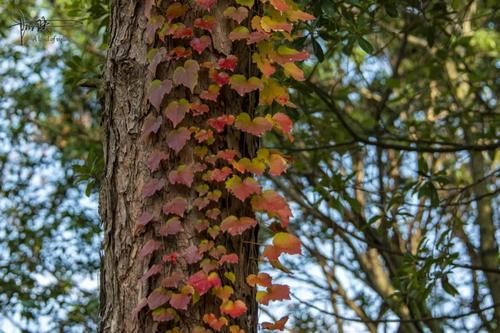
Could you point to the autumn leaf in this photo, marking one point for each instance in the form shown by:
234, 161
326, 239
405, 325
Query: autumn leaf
151, 125
223, 293
200, 44
298, 15
269, 24
287, 243
233, 309
175, 10
220, 122
144, 219
180, 301
276, 292
243, 86
206, 4
157, 90
176, 206
284, 124
172, 280
217, 175
177, 139
242, 189
187, 75
155, 159
278, 325
163, 314
231, 258
172, 227
237, 14
286, 54
238, 33
229, 63
153, 186
192, 254
153, 270
184, 175
215, 323
273, 204
248, 3
211, 93
179, 52
148, 248
261, 279
279, 5
220, 78
277, 164
157, 298
198, 109
273, 91
206, 23
294, 71
237, 226
258, 126
176, 111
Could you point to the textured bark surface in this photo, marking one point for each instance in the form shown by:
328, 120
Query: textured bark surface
121, 201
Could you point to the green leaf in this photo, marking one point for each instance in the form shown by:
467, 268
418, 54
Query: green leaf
365, 45
318, 50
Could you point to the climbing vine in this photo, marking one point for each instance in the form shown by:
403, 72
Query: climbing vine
199, 68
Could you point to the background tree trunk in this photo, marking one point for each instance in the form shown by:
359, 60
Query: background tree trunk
121, 201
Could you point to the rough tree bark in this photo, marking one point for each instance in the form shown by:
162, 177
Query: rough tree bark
121, 202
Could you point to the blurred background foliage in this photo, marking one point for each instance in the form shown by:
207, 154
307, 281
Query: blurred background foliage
393, 184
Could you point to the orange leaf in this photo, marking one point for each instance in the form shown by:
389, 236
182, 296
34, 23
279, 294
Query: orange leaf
220, 122
243, 86
206, 23
242, 189
294, 71
257, 126
262, 279
233, 309
279, 325
214, 322
287, 243
273, 204
237, 14
236, 226
175, 10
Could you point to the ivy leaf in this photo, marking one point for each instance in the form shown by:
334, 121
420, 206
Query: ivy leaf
225, 292
277, 164
257, 126
150, 247
294, 71
221, 78
287, 243
215, 323
157, 90
237, 14
180, 301
155, 159
192, 255
153, 186
273, 204
229, 63
200, 44
298, 15
262, 279
177, 139
278, 325
157, 298
275, 292
206, 4
273, 91
179, 52
255, 166
211, 93
220, 122
242, 189
233, 309
144, 219
269, 24
237, 226
155, 269
248, 3
175, 10
286, 54
231, 258
243, 86
163, 315
173, 280
187, 75
238, 33
176, 111
172, 227
184, 175
227, 154
284, 124
279, 5
217, 175
176, 206
198, 109
206, 23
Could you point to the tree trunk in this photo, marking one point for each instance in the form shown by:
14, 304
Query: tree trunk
126, 154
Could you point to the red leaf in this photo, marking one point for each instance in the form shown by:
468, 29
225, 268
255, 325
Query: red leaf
277, 164
283, 123
217, 175
220, 78
213, 213
286, 54
150, 247
279, 5
176, 111
276, 292
236, 226
200, 44
201, 203
176, 206
151, 125
204, 135
262, 279
182, 175
179, 301
298, 15
228, 154
206, 23
177, 139
233, 309
172, 227
157, 298
228, 63
206, 4
180, 52
257, 37
279, 325
173, 280
192, 255
153, 186
145, 218
211, 93
257, 126
155, 269
243, 86
237, 14
214, 322
231, 258
155, 159
201, 282
242, 189
199, 109
273, 204
220, 122
157, 90
187, 75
